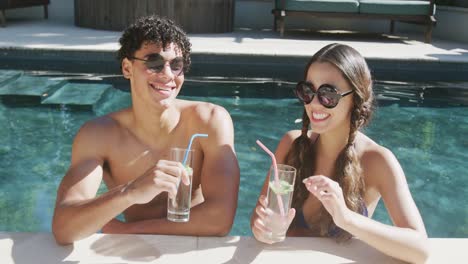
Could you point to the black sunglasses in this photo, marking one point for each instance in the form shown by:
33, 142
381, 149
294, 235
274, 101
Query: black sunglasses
327, 94
156, 63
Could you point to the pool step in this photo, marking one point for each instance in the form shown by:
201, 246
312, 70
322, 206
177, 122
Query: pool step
8, 76
77, 95
17, 89
28, 88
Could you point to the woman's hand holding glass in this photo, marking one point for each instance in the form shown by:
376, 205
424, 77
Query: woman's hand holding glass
264, 218
330, 194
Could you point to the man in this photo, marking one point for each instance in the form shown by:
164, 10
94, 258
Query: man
129, 150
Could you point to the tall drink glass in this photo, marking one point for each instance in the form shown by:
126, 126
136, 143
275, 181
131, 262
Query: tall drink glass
279, 198
178, 209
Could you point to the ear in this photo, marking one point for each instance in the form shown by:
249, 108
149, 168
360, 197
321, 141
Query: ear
127, 68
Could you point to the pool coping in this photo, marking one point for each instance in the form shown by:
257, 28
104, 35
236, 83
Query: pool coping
246, 65
22, 248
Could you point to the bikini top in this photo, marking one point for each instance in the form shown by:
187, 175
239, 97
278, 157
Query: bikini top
333, 231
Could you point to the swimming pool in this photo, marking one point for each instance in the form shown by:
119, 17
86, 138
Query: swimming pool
424, 124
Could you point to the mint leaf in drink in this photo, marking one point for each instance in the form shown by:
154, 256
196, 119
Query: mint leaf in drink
282, 188
188, 169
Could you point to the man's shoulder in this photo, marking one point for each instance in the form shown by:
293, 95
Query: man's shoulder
205, 111
98, 137
102, 126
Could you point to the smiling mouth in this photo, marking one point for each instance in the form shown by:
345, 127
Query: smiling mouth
167, 89
319, 116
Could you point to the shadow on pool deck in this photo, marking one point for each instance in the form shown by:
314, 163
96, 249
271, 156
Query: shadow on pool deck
29, 44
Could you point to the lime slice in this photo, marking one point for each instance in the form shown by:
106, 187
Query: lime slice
282, 188
188, 169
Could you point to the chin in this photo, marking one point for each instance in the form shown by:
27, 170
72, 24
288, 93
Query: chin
319, 129
166, 103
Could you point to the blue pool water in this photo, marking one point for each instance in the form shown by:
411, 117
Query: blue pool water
424, 124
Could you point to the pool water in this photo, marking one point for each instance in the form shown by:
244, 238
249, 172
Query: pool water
424, 124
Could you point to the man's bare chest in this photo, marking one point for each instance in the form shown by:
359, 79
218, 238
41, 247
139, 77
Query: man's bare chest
131, 162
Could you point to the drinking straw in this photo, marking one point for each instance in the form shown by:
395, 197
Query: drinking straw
275, 169
190, 145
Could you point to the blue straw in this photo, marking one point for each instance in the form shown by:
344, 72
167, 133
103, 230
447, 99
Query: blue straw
190, 145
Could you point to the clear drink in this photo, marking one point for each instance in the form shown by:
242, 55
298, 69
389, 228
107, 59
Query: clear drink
178, 209
279, 198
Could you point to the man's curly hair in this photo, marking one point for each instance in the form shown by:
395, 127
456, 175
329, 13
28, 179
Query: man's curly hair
154, 30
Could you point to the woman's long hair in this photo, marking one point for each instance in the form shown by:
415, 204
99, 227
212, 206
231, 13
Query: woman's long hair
348, 172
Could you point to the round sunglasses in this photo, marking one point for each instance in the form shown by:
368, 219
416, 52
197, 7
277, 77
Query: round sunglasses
156, 63
327, 94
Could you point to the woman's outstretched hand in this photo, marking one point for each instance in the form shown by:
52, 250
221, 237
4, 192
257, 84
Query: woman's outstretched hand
261, 228
330, 194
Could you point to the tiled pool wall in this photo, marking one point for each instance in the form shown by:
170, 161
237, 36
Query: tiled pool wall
230, 65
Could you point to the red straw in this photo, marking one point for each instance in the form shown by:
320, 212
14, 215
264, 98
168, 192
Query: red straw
275, 168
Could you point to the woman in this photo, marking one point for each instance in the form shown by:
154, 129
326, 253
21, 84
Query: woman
342, 173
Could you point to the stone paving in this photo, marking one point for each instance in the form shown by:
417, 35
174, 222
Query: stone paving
50, 35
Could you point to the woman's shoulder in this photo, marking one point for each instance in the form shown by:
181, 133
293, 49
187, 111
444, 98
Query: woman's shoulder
369, 149
285, 145
292, 135
375, 158
287, 141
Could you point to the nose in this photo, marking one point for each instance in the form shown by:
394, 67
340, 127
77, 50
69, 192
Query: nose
167, 69
315, 101
166, 73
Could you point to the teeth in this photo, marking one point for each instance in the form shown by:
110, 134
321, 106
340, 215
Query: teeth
319, 116
161, 89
